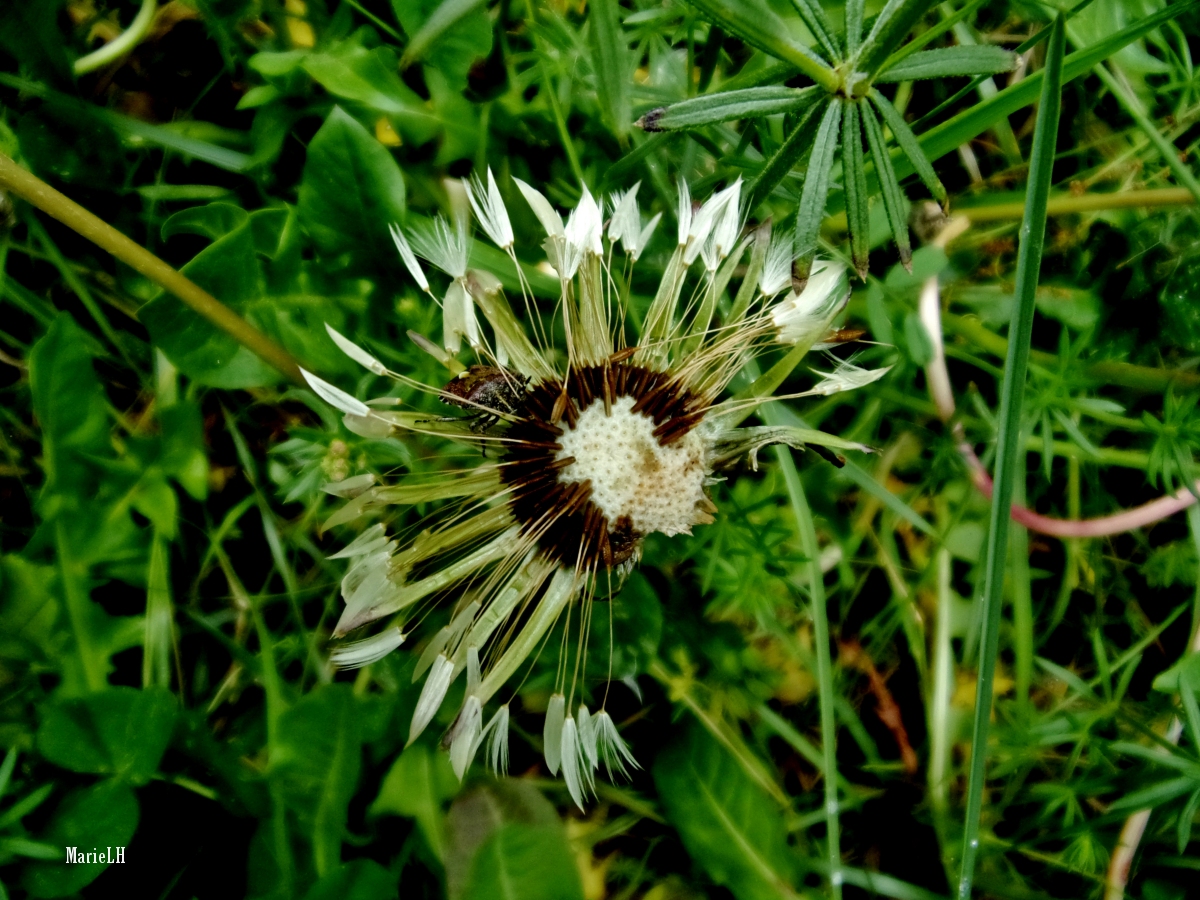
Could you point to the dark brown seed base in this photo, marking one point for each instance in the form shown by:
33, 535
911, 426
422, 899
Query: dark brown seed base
579, 534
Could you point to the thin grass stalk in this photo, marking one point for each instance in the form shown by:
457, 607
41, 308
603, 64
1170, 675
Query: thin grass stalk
1008, 466
825, 690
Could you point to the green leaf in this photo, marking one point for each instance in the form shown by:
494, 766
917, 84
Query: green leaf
91, 820
452, 34
858, 214
894, 202
816, 188
611, 64
524, 862
854, 25
369, 77
756, 24
213, 221
229, 270
29, 31
419, 782
814, 18
948, 62
1010, 465
361, 879
727, 822
910, 146
710, 109
1187, 815
782, 161
315, 763
891, 27
119, 731
351, 191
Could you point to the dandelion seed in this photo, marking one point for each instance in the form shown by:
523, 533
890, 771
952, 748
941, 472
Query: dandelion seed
552, 732
465, 735
410, 260
432, 695
490, 210
612, 748
496, 735
777, 268
574, 765
589, 448
357, 654
846, 377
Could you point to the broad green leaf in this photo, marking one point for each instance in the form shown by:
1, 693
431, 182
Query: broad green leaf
92, 820
451, 33
524, 862
894, 202
369, 77
419, 782
816, 188
891, 27
28, 611
351, 191
120, 731
790, 152
361, 879
858, 214
611, 64
229, 270
315, 763
909, 145
948, 62
213, 221
726, 106
756, 24
728, 824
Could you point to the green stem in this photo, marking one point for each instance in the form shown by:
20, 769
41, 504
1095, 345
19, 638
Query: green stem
29, 187
73, 574
1033, 234
825, 689
122, 43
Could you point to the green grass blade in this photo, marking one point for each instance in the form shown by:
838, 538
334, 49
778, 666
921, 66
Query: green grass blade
816, 189
790, 152
726, 106
610, 59
854, 25
893, 198
854, 174
910, 146
814, 17
758, 26
825, 686
948, 62
1008, 468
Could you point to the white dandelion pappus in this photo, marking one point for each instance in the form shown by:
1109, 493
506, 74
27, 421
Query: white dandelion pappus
589, 448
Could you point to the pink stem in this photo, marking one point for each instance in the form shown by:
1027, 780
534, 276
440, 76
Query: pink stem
1080, 528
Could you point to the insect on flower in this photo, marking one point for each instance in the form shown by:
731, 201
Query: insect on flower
597, 444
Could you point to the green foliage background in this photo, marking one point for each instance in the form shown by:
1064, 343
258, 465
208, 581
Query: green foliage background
165, 600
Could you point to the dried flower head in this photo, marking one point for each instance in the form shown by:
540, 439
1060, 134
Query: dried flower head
589, 447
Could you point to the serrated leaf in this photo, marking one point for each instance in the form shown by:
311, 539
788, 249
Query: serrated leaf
816, 189
858, 214
889, 186
726, 821
749, 103
910, 146
797, 143
947, 62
